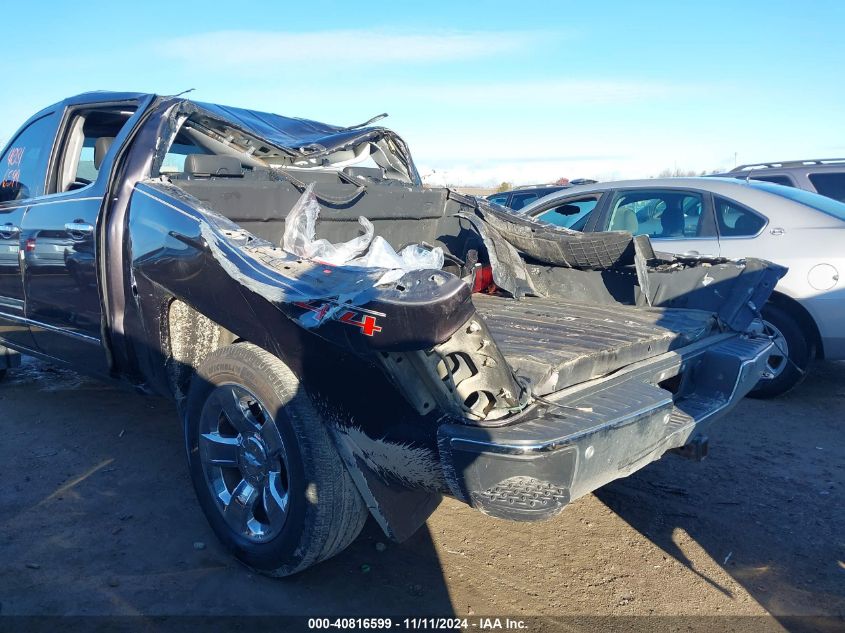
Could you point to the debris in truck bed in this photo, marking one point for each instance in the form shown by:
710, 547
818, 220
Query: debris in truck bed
365, 251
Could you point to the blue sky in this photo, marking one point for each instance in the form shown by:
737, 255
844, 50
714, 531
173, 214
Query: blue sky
483, 92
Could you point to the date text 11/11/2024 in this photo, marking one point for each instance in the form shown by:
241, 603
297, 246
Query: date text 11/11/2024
421, 624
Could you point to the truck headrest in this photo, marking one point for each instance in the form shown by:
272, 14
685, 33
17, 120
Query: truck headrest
205, 165
101, 147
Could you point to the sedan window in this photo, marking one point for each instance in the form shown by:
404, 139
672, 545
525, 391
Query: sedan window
659, 214
519, 200
734, 220
573, 214
501, 199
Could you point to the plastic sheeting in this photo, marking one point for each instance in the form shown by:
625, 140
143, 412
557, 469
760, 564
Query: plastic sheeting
366, 251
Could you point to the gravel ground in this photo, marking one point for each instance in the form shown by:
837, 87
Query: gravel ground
97, 517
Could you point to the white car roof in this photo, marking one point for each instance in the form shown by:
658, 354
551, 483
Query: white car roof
772, 205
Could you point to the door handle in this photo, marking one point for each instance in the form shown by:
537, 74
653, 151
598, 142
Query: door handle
9, 230
79, 229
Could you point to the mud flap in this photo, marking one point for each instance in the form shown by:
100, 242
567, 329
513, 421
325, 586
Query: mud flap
400, 510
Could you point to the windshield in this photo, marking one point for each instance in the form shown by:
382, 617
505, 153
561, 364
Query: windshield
820, 203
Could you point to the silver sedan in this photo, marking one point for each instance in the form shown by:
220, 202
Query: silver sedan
735, 218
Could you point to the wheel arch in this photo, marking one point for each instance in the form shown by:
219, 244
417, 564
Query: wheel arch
400, 510
189, 337
803, 316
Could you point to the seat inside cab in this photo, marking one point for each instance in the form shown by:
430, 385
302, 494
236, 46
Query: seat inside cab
258, 194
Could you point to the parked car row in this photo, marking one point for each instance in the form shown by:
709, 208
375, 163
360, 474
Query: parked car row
523, 196
731, 217
825, 176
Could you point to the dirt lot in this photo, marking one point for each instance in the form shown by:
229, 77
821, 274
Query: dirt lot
97, 516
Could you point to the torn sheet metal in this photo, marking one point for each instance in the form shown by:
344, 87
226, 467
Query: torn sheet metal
309, 142
547, 243
347, 287
308, 292
268, 270
509, 270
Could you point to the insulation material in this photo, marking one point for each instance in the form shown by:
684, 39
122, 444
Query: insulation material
301, 225
365, 251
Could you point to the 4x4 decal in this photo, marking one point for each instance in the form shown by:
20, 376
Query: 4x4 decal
365, 320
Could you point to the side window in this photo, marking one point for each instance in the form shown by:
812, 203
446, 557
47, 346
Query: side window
501, 198
88, 139
786, 181
735, 220
828, 184
658, 214
24, 164
573, 214
519, 200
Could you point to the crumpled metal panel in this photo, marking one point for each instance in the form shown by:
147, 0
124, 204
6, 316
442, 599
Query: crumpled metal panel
305, 137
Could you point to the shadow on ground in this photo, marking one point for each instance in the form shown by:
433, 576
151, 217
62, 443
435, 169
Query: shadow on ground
765, 505
99, 517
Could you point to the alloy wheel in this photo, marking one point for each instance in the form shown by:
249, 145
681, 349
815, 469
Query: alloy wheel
245, 463
779, 357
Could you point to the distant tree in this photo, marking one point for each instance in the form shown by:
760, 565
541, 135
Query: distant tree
504, 186
563, 182
677, 173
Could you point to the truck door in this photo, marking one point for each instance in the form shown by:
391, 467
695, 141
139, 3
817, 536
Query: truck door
59, 239
23, 169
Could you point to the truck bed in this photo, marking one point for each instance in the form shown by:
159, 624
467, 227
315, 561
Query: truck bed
556, 343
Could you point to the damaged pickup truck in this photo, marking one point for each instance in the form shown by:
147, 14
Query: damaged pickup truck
341, 340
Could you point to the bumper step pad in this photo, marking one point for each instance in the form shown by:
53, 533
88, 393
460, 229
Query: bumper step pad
555, 452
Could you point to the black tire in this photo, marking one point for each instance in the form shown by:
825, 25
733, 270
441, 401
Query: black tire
324, 512
792, 369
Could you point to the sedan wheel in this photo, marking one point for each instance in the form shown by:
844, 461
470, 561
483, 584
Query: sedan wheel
790, 359
779, 358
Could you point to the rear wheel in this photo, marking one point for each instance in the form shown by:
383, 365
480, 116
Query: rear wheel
791, 357
266, 473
